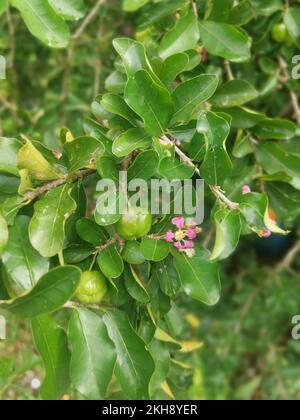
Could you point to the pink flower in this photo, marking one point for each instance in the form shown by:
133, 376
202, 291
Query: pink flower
179, 245
203, 54
189, 244
192, 224
177, 143
191, 234
246, 190
179, 222
170, 236
266, 234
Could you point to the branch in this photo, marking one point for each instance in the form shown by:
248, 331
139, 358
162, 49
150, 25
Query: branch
222, 197
228, 70
181, 155
32, 195
89, 18
288, 260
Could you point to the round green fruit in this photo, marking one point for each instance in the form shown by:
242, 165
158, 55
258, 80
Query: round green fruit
134, 224
279, 32
92, 288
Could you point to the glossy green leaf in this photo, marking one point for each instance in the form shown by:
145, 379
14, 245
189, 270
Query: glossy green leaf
116, 82
165, 274
43, 22
3, 6
217, 164
184, 36
172, 67
53, 290
189, 96
51, 342
199, 276
83, 152
116, 105
242, 13
150, 101
292, 21
90, 232
110, 262
154, 250
108, 168
276, 129
135, 365
24, 265
234, 93
3, 234
133, 139
173, 168
47, 226
225, 40
69, 9
144, 166
93, 354
133, 5
161, 357
228, 232
132, 253
134, 285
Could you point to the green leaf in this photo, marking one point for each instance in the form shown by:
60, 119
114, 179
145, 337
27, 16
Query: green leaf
242, 13
173, 168
199, 276
276, 129
23, 264
225, 40
90, 232
292, 21
244, 118
166, 275
234, 93
144, 166
30, 158
116, 82
108, 168
161, 357
217, 164
93, 354
51, 342
116, 105
3, 6
69, 9
133, 139
3, 234
228, 232
53, 290
135, 365
47, 226
110, 262
150, 101
25, 182
133, 5
132, 253
154, 250
273, 158
134, 56
172, 67
135, 286
9, 149
182, 37
189, 96
11, 207
42, 21
83, 152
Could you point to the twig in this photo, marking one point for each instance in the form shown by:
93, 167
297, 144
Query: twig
294, 98
181, 155
88, 20
32, 195
288, 260
228, 70
222, 197
194, 6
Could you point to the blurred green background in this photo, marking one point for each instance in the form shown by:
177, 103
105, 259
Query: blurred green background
248, 352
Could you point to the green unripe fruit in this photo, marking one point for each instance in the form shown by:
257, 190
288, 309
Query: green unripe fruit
134, 224
92, 288
279, 33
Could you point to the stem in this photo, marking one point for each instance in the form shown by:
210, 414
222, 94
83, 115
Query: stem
222, 197
61, 258
181, 155
228, 70
89, 18
54, 184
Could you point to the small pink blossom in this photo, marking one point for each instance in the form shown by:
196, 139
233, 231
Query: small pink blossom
246, 190
192, 224
179, 245
203, 55
191, 234
177, 143
179, 222
170, 236
266, 234
189, 244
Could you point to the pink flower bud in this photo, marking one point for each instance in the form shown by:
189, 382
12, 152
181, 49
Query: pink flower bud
179, 245
246, 190
266, 234
189, 244
191, 234
170, 236
179, 222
